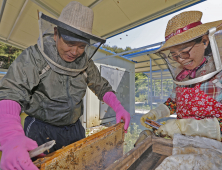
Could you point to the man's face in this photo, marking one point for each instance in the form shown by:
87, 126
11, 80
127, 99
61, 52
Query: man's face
68, 50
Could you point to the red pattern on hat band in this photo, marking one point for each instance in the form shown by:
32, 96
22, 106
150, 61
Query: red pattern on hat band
180, 30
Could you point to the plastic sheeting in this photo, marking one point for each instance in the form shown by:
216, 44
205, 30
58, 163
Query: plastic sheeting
196, 153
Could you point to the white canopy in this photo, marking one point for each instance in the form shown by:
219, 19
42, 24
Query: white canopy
19, 25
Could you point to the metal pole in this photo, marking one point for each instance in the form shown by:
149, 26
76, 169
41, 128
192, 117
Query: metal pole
161, 85
148, 90
17, 19
151, 87
2, 9
154, 88
136, 49
148, 96
168, 88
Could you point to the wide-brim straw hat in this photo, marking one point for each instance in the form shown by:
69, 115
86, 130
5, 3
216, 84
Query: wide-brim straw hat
79, 17
186, 27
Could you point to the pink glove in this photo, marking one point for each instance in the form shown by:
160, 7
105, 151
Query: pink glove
14, 144
110, 99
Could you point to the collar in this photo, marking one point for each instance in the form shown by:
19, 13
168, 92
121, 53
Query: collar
192, 73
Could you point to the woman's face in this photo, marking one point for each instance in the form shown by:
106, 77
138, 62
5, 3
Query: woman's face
196, 53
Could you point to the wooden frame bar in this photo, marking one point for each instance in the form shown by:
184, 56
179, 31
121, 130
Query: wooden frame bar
97, 151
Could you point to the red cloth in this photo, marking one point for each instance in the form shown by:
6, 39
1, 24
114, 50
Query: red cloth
194, 103
181, 30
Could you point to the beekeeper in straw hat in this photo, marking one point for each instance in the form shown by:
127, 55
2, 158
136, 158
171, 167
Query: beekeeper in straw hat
192, 52
48, 81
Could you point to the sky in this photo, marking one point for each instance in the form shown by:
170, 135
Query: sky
154, 32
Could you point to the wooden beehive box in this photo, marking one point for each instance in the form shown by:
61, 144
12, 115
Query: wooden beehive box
148, 155
94, 152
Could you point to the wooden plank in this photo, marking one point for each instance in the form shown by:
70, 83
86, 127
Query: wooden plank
97, 151
129, 158
162, 149
148, 161
162, 146
160, 161
168, 142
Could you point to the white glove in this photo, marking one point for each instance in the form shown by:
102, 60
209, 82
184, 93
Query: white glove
209, 128
161, 111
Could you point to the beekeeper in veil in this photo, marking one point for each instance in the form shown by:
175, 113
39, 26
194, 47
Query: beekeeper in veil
192, 52
48, 81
